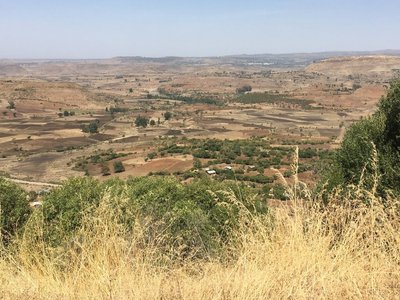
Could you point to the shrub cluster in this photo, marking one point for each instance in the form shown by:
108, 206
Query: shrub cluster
195, 220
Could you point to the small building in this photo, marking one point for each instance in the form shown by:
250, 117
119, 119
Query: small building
228, 168
211, 172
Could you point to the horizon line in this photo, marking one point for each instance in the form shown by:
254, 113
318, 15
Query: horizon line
379, 51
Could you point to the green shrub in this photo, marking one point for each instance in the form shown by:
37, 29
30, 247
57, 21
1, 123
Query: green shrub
93, 127
141, 121
105, 169
372, 147
63, 208
167, 115
244, 89
118, 166
14, 207
196, 220
152, 155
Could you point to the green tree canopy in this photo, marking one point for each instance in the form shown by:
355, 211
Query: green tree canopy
379, 136
141, 121
167, 115
14, 207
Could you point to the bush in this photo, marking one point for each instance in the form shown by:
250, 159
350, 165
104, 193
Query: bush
11, 104
105, 169
244, 89
14, 208
118, 166
141, 121
64, 207
93, 127
372, 146
152, 155
307, 153
167, 115
197, 163
196, 219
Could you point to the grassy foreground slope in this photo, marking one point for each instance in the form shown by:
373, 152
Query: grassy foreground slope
122, 249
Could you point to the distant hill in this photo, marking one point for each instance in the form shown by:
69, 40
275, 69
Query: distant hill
128, 64
273, 60
372, 64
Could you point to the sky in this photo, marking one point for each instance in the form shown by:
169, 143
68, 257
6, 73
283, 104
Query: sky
155, 28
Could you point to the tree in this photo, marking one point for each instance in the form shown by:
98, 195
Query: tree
93, 127
130, 90
167, 115
389, 106
11, 104
375, 137
118, 166
244, 89
197, 163
105, 169
152, 123
141, 121
152, 155
66, 113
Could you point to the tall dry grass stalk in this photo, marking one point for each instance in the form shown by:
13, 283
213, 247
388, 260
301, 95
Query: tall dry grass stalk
348, 248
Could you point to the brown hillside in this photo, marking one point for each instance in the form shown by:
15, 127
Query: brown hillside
372, 65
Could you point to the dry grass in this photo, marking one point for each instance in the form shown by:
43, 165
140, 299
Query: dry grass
343, 251
348, 249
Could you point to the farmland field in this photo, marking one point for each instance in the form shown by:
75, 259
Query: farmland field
46, 106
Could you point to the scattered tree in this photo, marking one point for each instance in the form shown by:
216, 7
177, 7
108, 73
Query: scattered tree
141, 121
118, 166
152, 155
105, 169
93, 127
11, 104
244, 89
167, 115
197, 163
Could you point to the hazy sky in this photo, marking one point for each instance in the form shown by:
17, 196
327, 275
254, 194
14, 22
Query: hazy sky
99, 28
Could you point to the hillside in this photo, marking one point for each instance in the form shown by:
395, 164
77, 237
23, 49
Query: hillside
380, 65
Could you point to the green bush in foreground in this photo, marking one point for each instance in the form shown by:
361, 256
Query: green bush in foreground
14, 208
194, 219
372, 147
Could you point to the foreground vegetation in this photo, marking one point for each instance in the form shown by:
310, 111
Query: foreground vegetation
154, 238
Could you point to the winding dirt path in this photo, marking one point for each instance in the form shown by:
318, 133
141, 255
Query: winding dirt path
34, 183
